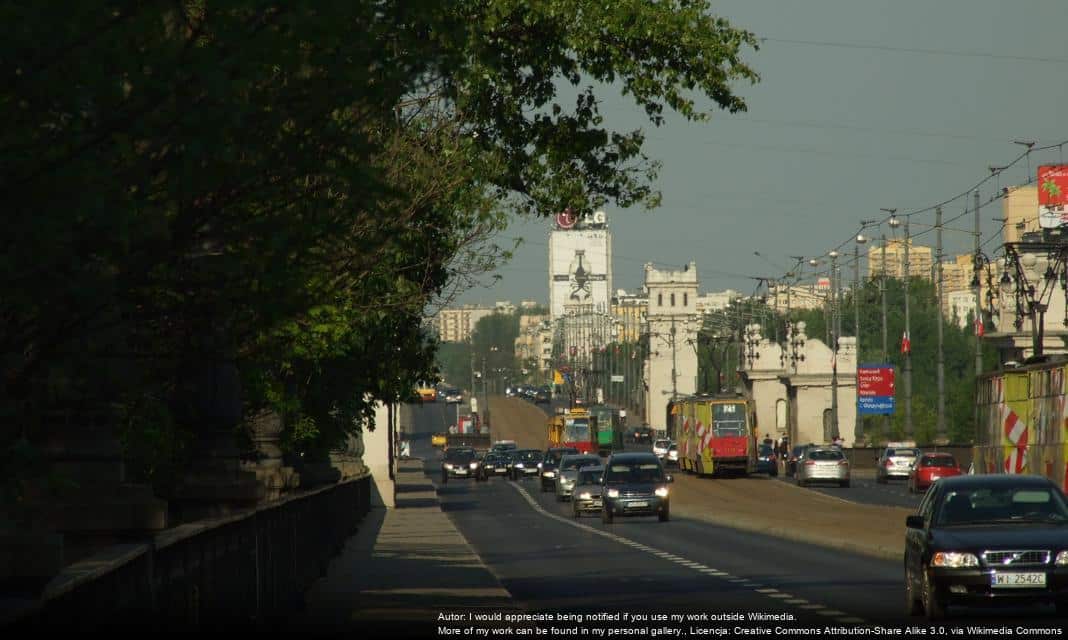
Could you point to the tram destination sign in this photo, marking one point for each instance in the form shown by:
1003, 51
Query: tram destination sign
875, 389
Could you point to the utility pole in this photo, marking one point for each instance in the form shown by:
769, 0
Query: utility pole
940, 424
882, 297
908, 336
978, 313
834, 343
858, 422
674, 372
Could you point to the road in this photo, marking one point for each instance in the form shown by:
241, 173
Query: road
864, 490
550, 562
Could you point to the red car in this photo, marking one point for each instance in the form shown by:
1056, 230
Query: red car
930, 467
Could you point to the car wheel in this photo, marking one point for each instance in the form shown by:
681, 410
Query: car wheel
932, 606
664, 515
559, 498
444, 478
880, 479
606, 516
845, 484
913, 605
801, 483
574, 510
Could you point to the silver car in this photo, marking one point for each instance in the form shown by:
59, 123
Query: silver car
660, 447
587, 492
895, 462
823, 464
568, 471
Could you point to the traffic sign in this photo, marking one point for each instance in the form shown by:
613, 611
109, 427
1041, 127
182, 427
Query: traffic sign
875, 389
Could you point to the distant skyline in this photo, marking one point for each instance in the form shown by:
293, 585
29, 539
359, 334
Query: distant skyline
891, 103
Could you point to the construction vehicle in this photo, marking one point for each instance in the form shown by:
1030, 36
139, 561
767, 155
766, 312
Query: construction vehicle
469, 431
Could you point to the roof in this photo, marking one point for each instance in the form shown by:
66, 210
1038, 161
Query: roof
995, 480
634, 456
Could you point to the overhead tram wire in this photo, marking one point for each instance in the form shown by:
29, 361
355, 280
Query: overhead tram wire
916, 50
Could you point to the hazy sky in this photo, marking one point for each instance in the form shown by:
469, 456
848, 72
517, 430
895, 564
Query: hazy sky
862, 104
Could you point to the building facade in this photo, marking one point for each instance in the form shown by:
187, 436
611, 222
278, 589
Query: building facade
673, 323
456, 325
580, 263
628, 311
920, 259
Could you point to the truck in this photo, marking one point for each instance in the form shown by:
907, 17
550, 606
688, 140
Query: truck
608, 427
468, 432
573, 428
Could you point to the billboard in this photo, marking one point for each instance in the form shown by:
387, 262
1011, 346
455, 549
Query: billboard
580, 269
875, 389
1052, 196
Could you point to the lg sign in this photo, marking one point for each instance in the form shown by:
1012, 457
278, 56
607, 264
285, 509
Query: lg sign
568, 219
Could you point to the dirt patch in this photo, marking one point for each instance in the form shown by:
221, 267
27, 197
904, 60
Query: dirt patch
519, 420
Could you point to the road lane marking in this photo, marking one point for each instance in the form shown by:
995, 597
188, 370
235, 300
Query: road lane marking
667, 555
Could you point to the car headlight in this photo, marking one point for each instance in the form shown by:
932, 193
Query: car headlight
539, 465
519, 465
954, 559
661, 492
1062, 559
474, 465
549, 474
586, 495
613, 493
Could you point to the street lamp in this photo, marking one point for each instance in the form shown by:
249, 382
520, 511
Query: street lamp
835, 335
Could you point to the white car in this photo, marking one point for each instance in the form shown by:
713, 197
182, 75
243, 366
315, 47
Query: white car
660, 447
672, 456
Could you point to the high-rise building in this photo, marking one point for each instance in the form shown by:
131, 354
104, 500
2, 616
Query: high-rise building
456, 325
1020, 210
628, 311
920, 259
580, 264
673, 324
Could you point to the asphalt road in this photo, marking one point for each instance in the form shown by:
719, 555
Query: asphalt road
864, 490
550, 562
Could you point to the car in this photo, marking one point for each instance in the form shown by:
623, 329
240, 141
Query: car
437, 440
452, 395
634, 484
586, 496
660, 447
895, 461
504, 445
458, 462
767, 460
672, 457
548, 464
643, 434
542, 396
525, 462
795, 454
930, 467
989, 539
824, 463
567, 473
495, 463
427, 393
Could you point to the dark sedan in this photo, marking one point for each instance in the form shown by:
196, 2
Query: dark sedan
635, 484
767, 460
642, 435
549, 463
987, 540
459, 462
494, 464
524, 463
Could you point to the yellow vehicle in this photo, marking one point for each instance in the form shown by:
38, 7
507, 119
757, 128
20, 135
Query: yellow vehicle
437, 440
555, 425
575, 428
427, 392
717, 434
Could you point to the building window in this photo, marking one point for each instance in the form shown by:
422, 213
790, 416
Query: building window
659, 299
673, 299
685, 299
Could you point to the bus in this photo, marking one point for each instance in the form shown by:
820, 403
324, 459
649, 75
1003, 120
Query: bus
717, 434
1023, 422
609, 429
575, 428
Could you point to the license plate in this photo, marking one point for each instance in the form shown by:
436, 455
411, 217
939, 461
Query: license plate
637, 505
1020, 580
459, 471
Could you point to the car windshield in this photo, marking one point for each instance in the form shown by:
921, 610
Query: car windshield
661, 444
766, 450
575, 463
824, 454
459, 455
798, 450
901, 453
530, 456
577, 430
673, 447
1002, 505
938, 461
633, 472
729, 419
553, 457
590, 477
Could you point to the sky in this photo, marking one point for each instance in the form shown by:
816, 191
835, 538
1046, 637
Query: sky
862, 104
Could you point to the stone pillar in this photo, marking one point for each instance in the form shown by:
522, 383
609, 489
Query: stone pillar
218, 481
78, 505
265, 430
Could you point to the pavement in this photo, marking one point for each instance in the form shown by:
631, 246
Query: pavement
404, 565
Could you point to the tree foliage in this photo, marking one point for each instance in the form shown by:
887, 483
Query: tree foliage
292, 187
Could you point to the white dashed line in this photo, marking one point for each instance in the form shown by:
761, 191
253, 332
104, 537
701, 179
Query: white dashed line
697, 566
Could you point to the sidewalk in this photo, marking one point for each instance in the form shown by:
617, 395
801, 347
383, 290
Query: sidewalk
406, 564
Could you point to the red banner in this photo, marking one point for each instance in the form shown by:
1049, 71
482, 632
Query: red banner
875, 381
1053, 185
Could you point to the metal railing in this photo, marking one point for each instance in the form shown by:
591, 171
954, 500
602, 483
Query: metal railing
249, 569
